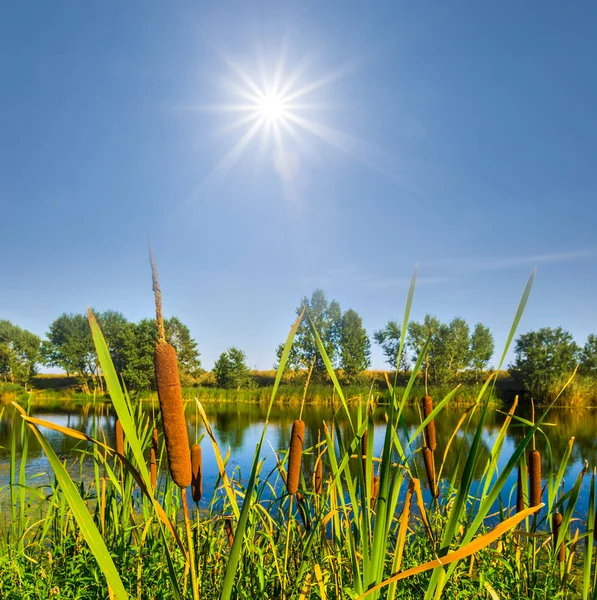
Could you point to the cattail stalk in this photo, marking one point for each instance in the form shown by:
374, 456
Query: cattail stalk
535, 478
364, 452
430, 439
556, 522
119, 437
196, 465
295, 455
519, 491
430, 470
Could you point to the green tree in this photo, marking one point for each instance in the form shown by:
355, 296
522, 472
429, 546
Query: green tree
179, 335
19, 353
544, 358
588, 357
418, 333
388, 339
231, 370
481, 350
327, 317
355, 347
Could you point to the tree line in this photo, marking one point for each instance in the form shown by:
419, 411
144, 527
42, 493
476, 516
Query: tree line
453, 350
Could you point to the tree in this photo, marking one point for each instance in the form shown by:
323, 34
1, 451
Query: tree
481, 349
355, 347
231, 370
389, 340
326, 317
418, 333
19, 353
588, 357
178, 334
544, 358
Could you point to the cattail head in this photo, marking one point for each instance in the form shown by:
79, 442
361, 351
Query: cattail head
196, 465
430, 470
556, 522
319, 475
430, 427
228, 529
154, 440
295, 455
153, 468
535, 478
119, 437
519, 491
173, 418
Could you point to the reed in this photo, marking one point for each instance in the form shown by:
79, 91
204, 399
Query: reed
430, 427
228, 529
519, 491
196, 465
535, 478
364, 439
295, 454
119, 437
556, 523
153, 462
430, 470
318, 482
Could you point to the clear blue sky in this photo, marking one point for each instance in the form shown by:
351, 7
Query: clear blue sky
461, 136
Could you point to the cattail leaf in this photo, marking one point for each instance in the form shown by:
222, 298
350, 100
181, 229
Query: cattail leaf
464, 551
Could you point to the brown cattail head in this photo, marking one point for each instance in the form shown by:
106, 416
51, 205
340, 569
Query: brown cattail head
519, 491
172, 409
430, 427
430, 470
556, 522
153, 468
154, 440
196, 464
319, 475
228, 528
295, 455
119, 437
535, 478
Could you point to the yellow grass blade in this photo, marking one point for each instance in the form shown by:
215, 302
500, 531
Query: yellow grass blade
472, 547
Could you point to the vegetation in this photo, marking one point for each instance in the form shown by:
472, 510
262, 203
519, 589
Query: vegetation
231, 370
349, 532
19, 354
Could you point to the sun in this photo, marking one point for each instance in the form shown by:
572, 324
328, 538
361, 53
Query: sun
271, 107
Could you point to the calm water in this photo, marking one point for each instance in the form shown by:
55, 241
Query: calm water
238, 427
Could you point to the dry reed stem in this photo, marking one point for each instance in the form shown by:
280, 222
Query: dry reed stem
173, 418
119, 437
228, 528
196, 466
535, 478
430, 427
430, 470
519, 491
556, 522
295, 455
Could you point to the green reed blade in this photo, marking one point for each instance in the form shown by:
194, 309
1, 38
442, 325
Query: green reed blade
588, 553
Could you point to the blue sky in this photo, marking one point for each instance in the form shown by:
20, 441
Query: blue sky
461, 136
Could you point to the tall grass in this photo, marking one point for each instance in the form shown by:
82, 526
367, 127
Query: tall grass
359, 526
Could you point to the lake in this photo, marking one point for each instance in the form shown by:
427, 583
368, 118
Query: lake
238, 426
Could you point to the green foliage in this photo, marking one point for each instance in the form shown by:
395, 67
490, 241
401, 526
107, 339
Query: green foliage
389, 340
481, 350
355, 347
231, 370
19, 353
544, 358
588, 357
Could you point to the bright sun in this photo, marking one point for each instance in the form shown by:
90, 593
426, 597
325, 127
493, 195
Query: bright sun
271, 107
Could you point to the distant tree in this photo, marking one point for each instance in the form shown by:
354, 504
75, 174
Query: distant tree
588, 357
355, 347
326, 316
388, 339
544, 358
481, 349
178, 334
418, 333
19, 353
231, 370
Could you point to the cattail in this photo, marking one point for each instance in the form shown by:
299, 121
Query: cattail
295, 455
374, 489
319, 476
364, 451
519, 491
119, 437
228, 528
196, 464
153, 462
173, 419
535, 478
430, 469
556, 522
430, 427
